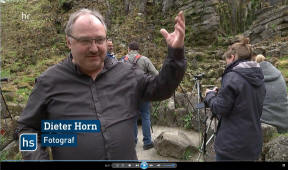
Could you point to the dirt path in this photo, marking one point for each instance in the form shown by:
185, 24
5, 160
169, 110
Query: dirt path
151, 154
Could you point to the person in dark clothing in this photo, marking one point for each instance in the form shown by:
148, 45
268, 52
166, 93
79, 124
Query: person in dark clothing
239, 104
110, 49
87, 85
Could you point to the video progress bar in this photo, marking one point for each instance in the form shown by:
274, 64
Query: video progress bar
144, 165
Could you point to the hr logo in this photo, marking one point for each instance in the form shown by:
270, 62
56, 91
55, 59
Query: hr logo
25, 16
28, 142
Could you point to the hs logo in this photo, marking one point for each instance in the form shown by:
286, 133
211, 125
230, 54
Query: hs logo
28, 142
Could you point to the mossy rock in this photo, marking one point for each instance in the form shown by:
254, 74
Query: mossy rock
9, 96
277, 149
8, 88
24, 85
283, 64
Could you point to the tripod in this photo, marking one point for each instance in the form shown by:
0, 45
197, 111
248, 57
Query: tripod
4, 101
197, 85
206, 142
200, 105
213, 118
5, 131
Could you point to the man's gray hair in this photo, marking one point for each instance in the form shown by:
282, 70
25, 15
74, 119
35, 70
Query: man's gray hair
73, 17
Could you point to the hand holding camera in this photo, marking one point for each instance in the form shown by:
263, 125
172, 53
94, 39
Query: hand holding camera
215, 89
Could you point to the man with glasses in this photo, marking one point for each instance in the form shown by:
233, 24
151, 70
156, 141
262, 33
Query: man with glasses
90, 86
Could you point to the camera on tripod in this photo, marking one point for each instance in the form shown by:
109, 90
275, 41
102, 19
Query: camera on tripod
207, 137
205, 123
199, 76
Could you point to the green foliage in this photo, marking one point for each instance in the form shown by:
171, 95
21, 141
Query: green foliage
273, 26
9, 1
225, 16
275, 135
187, 120
5, 73
154, 112
24, 92
61, 2
28, 79
283, 67
284, 71
2, 139
187, 154
18, 156
3, 155
237, 16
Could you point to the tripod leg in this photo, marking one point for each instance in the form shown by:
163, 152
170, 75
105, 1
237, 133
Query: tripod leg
211, 137
5, 104
197, 85
205, 142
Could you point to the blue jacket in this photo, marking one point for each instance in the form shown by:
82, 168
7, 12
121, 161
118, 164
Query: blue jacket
239, 103
111, 55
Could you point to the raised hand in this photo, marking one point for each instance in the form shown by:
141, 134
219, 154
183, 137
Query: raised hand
176, 38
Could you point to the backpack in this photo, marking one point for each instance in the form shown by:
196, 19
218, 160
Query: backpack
134, 63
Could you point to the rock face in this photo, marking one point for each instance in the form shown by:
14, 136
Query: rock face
179, 112
8, 127
270, 22
277, 149
267, 132
167, 4
275, 49
15, 109
203, 19
131, 5
10, 150
274, 2
274, 148
175, 144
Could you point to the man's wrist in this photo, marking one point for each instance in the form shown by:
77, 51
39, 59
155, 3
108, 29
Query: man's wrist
176, 53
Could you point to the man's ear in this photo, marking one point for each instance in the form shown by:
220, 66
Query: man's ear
68, 42
233, 57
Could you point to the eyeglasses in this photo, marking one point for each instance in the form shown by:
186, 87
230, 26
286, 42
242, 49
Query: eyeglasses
89, 41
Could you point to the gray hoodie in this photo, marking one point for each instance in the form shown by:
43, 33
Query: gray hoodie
275, 109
